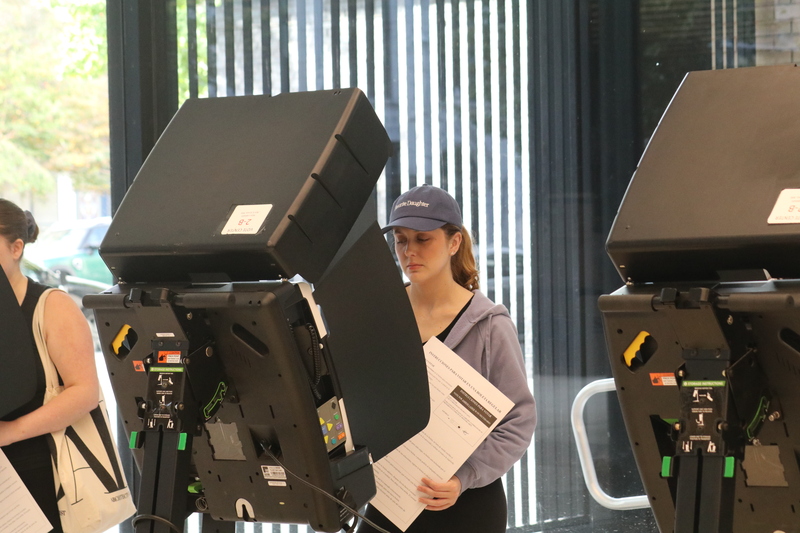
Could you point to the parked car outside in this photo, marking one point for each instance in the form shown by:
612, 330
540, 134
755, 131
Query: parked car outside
71, 248
75, 286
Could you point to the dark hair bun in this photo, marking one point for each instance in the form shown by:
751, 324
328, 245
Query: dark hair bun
33, 228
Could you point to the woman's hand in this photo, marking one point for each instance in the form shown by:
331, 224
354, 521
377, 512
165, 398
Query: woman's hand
440, 495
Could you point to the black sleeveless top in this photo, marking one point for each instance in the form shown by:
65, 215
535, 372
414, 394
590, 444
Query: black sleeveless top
443, 335
35, 290
31, 457
22, 453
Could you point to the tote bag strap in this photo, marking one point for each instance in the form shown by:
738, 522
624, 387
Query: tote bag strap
50, 372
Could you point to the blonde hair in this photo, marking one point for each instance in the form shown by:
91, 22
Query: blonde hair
462, 264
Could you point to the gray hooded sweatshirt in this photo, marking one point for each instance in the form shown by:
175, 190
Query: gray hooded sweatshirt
485, 337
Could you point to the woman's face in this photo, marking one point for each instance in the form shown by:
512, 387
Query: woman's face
425, 255
10, 254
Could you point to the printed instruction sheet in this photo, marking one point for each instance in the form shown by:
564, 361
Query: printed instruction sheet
465, 408
19, 512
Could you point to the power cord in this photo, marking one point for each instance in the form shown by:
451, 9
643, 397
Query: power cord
153, 518
319, 490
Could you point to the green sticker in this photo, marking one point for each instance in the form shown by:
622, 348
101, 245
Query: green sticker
705, 383
166, 369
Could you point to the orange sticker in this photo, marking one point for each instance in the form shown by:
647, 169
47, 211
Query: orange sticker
666, 379
169, 357
138, 366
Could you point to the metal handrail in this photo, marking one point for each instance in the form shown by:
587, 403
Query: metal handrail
585, 452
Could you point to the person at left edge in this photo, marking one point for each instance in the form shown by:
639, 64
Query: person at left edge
69, 341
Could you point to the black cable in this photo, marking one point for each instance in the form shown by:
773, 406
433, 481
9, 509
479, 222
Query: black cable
319, 490
138, 518
315, 352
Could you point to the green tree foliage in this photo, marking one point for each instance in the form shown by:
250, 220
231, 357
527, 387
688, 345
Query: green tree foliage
53, 92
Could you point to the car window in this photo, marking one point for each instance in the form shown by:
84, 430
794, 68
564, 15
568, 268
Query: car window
95, 237
68, 238
38, 273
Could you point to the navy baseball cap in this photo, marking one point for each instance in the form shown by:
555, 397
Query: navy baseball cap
424, 208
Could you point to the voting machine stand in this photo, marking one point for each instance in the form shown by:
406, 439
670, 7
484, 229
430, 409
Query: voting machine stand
259, 340
704, 338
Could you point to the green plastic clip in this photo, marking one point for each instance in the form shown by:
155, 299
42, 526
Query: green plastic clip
134, 442
730, 466
182, 441
666, 466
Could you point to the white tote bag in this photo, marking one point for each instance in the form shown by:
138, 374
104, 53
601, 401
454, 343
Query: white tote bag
92, 492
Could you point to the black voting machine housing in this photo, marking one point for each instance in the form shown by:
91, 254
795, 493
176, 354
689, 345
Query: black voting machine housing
704, 347
224, 371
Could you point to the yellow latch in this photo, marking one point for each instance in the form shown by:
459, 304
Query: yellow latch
635, 346
116, 344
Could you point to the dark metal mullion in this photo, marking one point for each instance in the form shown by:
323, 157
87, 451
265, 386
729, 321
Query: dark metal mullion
336, 43
587, 161
352, 24
729, 25
546, 447
506, 212
592, 258
369, 15
559, 255
230, 53
458, 111
392, 81
211, 46
524, 491
319, 44
488, 201
576, 309
718, 24
266, 47
617, 137
302, 46
587, 244
747, 33
472, 175
506, 222
555, 223
411, 81
441, 77
283, 23
191, 30
427, 118
247, 39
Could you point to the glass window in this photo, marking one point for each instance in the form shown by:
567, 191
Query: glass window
533, 115
54, 156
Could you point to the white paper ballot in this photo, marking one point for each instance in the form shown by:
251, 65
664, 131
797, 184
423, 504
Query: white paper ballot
18, 510
465, 408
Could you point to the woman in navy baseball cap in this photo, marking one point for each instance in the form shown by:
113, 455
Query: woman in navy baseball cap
435, 252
